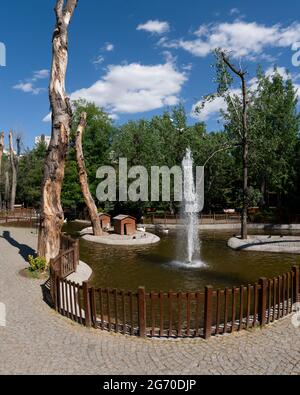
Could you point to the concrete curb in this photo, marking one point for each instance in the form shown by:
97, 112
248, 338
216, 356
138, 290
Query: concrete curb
276, 244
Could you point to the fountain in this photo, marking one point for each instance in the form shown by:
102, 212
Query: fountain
190, 210
189, 244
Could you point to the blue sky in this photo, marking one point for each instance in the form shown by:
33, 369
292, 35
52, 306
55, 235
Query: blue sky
137, 58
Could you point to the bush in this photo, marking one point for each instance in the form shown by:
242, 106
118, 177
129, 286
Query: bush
38, 264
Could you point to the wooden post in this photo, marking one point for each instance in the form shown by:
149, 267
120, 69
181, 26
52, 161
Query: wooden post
57, 292
262, 303
296, 273
208, 312
93, 308
87, 304
52, 285
77, 255
142, 311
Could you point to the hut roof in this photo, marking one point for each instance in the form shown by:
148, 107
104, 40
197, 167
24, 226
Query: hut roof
122, 217
104, 215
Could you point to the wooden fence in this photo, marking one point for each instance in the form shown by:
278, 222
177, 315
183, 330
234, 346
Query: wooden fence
28, 216
170, 314
158, 219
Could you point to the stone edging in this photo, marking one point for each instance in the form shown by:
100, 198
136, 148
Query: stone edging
278, 244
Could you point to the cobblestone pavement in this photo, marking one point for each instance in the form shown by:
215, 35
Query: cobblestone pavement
38, 341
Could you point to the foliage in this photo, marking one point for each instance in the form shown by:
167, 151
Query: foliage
274, 151
30, 176
37, 264
273, 135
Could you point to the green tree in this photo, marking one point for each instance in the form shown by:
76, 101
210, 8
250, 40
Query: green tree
30, 176
275, 128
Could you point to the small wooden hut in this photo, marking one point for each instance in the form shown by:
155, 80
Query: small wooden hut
105, 221
125, 225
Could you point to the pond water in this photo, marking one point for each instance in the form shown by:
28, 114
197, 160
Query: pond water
154, 266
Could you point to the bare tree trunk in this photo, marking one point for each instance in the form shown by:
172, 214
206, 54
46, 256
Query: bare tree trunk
52, 216
13, 172
245, 160
83, 178
7, 189
245, 143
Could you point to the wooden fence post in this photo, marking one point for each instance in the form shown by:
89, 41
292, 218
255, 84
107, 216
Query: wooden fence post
87, 304
53, 286
142, 311
77, 255
262, 303
208, 303
296, 272
57, 293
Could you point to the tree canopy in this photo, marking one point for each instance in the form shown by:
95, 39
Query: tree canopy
274, 169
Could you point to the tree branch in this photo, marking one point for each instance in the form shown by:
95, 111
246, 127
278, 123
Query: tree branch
234, 69
83, 178
224, 148
70, 7
59, 10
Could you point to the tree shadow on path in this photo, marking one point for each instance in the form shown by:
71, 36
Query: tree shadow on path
24, 250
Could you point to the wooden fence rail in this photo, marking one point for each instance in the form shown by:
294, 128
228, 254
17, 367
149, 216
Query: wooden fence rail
158, 219
170, 314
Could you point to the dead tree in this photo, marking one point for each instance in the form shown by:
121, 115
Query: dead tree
13, 165
52, 216
83, 178
7, 188
244, 141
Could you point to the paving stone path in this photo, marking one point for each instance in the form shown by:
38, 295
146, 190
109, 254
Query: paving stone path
38, 341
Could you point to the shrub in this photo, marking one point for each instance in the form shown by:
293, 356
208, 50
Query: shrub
38, 264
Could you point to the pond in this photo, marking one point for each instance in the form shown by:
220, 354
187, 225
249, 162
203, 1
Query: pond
153, 266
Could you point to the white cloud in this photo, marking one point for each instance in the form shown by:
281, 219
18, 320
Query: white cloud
156, 27
211, 109
48, 117
113, 117
234, 11
135, 88
40, 74
109, 47
100, 59
28, 87
241, 38
169, 57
